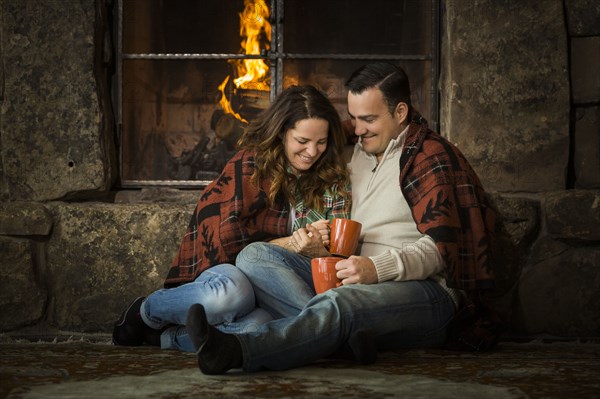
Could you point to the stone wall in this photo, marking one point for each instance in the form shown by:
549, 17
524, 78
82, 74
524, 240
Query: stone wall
505, 91
520, 96
54, 139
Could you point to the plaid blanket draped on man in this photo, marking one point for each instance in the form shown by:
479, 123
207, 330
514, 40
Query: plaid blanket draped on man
449, 204
231, 213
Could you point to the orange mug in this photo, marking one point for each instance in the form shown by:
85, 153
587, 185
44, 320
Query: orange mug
324, 273
343, 237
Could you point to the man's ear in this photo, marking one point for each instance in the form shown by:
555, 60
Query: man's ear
401, 112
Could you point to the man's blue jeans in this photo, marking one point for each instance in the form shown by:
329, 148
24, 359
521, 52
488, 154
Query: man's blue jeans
406, 314
225, 293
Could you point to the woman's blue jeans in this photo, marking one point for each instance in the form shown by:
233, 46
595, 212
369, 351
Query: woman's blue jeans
403, 314
225, 293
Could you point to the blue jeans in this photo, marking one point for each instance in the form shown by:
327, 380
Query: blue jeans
225, 293
403, 314
281, 279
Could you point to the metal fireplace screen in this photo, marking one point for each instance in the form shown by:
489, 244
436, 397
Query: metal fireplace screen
191, 74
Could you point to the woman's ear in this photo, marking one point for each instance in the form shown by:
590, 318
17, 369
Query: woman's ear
401, 112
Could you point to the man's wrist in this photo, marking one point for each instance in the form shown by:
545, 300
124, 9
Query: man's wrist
385, 266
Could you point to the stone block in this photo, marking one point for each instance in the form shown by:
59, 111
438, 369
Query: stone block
52, 139
573, 215
22, 290
558, 294
158, 194
102, 256
4, 195
505, 96
24, 219
583, 17
586, 152
585, 64
518, 219
517, 227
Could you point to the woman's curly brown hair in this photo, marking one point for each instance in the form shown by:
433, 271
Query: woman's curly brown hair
266, 134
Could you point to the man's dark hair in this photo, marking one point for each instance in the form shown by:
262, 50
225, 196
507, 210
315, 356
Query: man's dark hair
389, 78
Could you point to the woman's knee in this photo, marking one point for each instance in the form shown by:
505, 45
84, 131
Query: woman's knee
253, 254
228, 271
228, 279
230, 294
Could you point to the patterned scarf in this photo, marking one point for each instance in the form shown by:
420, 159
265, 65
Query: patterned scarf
231, 213
449, 204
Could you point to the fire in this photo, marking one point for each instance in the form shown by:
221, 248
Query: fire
225, 104
251, 73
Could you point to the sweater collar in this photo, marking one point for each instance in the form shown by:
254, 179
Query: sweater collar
394, 146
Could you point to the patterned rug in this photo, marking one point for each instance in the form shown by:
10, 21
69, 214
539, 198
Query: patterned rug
81, 369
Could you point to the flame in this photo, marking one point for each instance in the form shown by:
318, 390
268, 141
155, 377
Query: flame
225, 104
251, 73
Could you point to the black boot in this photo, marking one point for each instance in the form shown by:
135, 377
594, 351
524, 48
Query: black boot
217, 352
360, 347
130, 329
363, 346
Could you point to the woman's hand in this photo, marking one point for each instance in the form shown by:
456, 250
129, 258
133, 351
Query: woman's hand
323, 227
309, 241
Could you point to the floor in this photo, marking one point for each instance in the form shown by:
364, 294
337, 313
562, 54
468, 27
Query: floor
93, 368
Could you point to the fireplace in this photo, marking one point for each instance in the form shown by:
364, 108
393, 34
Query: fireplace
179, 107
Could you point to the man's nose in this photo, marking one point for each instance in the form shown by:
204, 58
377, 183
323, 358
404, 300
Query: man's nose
359, 128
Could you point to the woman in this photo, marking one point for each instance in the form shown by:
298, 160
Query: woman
284, 186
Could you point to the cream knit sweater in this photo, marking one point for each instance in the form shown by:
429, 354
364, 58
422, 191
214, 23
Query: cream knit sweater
389, 235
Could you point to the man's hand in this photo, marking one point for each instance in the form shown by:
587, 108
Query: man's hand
357, 270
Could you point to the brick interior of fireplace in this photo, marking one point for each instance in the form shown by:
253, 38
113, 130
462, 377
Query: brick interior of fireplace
172, 126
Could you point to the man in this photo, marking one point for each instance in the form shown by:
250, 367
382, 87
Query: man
424, 253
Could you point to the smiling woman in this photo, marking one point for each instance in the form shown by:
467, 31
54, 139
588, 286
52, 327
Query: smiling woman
305, 143
300, 132
284, 186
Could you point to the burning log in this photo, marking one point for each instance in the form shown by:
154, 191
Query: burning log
229, 129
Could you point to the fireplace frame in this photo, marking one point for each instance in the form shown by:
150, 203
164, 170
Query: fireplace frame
276, 56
